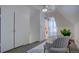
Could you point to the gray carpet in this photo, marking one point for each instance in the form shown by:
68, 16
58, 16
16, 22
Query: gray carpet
38, 49
24, 48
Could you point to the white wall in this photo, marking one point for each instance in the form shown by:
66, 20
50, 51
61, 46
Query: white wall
27, 26
22, 18
63, 22
21, 26
6, 28
34, 25
77, 34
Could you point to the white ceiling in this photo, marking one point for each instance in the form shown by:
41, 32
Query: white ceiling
71, 12
39, 7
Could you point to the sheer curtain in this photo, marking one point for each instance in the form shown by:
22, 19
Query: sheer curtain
52, 28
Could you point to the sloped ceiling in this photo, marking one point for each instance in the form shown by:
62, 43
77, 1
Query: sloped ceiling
71, 12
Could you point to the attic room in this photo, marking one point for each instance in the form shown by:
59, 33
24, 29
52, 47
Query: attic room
30, 29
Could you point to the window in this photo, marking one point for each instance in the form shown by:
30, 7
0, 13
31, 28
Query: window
52, 29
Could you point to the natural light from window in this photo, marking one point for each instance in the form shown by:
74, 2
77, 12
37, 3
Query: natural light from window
52, 28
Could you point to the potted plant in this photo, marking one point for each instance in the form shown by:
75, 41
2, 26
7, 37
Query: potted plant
65, 32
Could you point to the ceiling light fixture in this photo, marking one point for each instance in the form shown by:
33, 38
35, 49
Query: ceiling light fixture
44, 9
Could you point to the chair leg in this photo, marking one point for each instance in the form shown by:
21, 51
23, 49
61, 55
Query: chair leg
44, 50
69, 50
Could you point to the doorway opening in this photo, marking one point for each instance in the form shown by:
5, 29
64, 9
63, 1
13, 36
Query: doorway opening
52, 27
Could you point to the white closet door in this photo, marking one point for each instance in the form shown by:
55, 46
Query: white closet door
21, 26
6, 28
